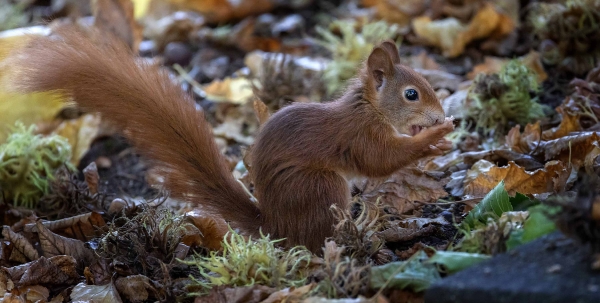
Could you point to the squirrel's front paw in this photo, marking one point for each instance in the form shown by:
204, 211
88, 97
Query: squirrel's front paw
444, 145
438, 131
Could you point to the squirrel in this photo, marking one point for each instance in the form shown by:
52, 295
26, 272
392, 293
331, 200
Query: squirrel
388, 118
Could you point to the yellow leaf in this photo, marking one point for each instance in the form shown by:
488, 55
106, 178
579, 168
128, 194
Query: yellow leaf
28, 108
234, 90
80, 133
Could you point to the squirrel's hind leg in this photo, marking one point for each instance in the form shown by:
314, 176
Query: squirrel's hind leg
297, 207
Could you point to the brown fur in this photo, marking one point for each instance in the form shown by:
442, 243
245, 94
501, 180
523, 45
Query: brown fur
299, 158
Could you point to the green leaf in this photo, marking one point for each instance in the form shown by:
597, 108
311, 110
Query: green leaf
454, 261
413, 274
521, 202
536, 225
493, 204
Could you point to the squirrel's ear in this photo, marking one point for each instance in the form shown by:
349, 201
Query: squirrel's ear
390, 47
379, 65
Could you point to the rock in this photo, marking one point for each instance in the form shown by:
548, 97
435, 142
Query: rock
551, 269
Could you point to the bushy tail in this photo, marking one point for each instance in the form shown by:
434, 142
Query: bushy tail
159, 118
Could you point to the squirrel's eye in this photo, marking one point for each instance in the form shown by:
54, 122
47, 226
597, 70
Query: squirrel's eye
411, 94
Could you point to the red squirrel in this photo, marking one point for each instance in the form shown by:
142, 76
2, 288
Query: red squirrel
389, 117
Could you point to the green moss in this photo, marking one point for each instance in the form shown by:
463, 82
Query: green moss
28, 162
246, 262
350, 48
499, 101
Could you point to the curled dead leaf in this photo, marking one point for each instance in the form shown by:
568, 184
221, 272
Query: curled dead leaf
452, 36
80, 133
493, 65
96, 293
90, 173
222, 294
22, 250
551, 178
53, 245
58, 270
568, 124
82, 227
528, 141
403, 188
137, 288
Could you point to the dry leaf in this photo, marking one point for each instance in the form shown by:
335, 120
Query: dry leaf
136, 288
399, 11
92, 178
116, 16
403, 188
262, 111
544, 180
52, 244
220, 11
244, 294
234, 90
80, 133
290, 294
175, 27
82, 227
35, 293
568, 124
579, 150
22, 250
95, 293
493, 65
58, 270
528, 141
452, 36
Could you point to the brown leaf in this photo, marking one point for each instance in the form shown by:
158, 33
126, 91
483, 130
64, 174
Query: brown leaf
95, 293
493, 65
245, 294
82, 227
527, 142
220, 11
516, 179
290, 294
568, 124
399, 11
404, 187
579, 150
261, 110
35, 293
22, 250
452, 36
497, 155
80, 133
58, 270
116, 16
92, 178
136, 288
54, 245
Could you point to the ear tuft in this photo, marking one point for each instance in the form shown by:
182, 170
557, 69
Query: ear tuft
379, 65
390, 47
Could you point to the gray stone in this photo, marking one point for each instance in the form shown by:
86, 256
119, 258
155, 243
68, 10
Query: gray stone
551, 269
